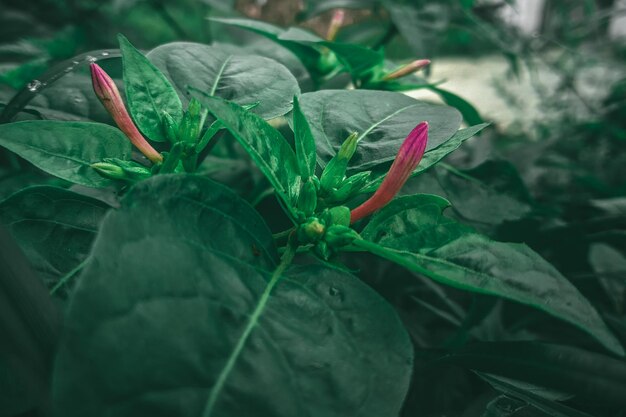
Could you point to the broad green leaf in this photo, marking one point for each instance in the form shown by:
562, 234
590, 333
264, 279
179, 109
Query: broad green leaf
609, 264
265, 145
590, 376
66, 149
148, 93
305, 142
414, 222
54, 227
475, 263
383, 120
175, 276
430, 158
215, 71
29, 324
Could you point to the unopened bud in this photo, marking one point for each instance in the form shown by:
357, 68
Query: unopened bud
407, 69
311, 231
307, 201
335, 171
109, 170
335, 24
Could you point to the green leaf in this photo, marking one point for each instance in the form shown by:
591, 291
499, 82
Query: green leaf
513, 271
148, 93
415, 222
153, 329
469, 112
66, 149
590, 376
540, 398
383, 120
431, 157
265, 145
54, 227
609, 264
215, 71
305, 143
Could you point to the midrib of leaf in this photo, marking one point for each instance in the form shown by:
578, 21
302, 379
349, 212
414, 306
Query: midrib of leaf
252, 323
384, 119
219, 75
56, 155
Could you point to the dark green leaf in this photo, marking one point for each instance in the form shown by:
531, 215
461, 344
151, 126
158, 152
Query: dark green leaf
609, 264
475, 263
215, 71
305, 143
414, 222
66, 149
591, 376
383, 120
174, 277
148, 92
54, 227
266, 146
431, 157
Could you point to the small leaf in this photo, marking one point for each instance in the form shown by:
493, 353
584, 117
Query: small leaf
305, 143
54, 227
415, 222
148, 92
469, 112
66, 149
265, 145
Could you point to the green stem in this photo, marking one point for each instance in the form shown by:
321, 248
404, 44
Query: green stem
284, 233
171, 162
285, 261
68, 276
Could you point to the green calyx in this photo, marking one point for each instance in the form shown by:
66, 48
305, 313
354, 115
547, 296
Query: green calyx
335, 171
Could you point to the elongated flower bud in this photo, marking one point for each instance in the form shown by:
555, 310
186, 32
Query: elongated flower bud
335, 24
407, 69
406, 161
110, 97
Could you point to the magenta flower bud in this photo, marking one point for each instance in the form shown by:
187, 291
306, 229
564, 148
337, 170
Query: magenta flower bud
110, 97
407, 69
406, 161
335, 24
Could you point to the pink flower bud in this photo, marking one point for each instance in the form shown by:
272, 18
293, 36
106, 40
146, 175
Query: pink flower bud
335, 24
406, 161
110, 97
407, 69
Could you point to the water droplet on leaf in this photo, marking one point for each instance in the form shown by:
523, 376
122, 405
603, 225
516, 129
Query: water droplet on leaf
105, 53
34, 85
90, 58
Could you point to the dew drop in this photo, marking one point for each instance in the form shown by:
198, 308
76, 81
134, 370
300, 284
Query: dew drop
68, 69
34, 85
105, 53
78, 100
90, 58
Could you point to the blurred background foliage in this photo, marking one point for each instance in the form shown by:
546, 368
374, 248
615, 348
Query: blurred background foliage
549, 172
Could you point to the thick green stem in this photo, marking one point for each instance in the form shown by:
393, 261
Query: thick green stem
285, 261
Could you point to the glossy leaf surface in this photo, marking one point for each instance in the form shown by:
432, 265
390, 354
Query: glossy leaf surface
66, 149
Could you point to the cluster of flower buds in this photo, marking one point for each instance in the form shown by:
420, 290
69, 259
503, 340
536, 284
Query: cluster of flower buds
109, 95
325, 225
118, 169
